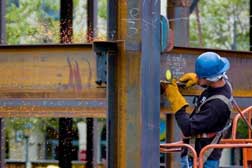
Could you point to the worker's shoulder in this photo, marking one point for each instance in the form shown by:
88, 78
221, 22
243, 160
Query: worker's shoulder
218, 102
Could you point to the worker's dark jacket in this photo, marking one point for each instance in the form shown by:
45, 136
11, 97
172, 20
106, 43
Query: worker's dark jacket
212, 117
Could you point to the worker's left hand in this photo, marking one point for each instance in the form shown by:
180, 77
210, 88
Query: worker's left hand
177, 101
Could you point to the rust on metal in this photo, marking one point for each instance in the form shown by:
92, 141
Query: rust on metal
25, 69
53, 70
53, 108
136, 80
34, 74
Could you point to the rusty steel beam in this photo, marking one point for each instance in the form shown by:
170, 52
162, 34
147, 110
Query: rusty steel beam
135, 78
22, 64
57, 71
53, 108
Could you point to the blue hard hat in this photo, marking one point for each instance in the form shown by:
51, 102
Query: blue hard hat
210, 64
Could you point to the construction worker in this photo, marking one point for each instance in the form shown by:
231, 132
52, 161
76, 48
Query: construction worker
212, 109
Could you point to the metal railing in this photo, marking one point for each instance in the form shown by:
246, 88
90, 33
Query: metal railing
233, 142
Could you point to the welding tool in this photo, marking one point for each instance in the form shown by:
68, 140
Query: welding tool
169, 78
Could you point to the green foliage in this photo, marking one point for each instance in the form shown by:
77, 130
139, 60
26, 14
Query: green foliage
36, 123
242, 129
218, 21
102, 9
29, 24
37, 21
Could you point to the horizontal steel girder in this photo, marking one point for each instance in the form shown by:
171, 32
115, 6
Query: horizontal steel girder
59, 80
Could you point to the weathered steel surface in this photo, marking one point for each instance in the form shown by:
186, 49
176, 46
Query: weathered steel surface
181, 60
34, 78
112, 19
52, 70
136, 77
149, 73
46, 73
178, 16
53, 108
107, 52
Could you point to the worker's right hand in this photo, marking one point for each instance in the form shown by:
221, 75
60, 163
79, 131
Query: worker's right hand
189, 79
177, 101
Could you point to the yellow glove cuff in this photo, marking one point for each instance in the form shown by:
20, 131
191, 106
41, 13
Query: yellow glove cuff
177, 101
177, 104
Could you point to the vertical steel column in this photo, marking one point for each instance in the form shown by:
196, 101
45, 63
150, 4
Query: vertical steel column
2, 41
66, 21
171, 13
111, 126
107, 52
65, 124
169, 118
133, 85
169, 138
90, 145
250, 23
91, 33
112, 19
91, 20
65, 142
111, 123
2, 22
2, 143
178, 15
150, 86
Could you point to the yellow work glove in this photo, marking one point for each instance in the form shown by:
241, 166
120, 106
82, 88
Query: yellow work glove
189, 79
177, 101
